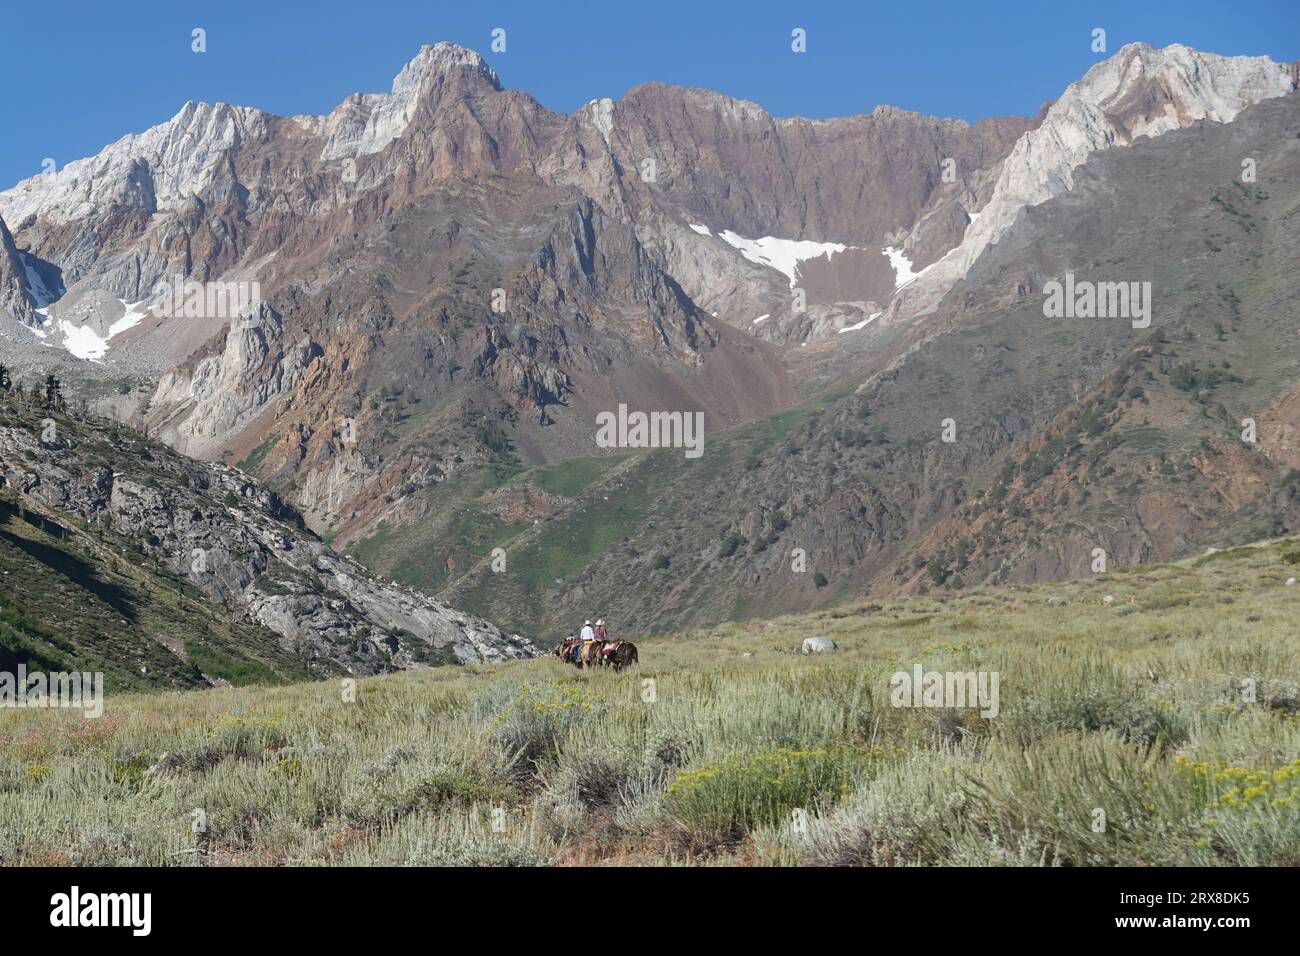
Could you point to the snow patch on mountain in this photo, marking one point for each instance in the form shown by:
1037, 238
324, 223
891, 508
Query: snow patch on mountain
783, 255
134, 313
904, 274
863, 324
82, 339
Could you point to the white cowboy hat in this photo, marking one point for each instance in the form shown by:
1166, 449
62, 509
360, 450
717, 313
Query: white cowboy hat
586, 623
600, 622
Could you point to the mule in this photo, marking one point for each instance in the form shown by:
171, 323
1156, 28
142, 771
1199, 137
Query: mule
620, 655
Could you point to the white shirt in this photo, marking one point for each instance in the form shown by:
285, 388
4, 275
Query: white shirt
587, 633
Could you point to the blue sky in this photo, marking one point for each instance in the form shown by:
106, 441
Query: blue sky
80, 75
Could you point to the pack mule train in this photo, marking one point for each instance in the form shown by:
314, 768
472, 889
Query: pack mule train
593, 647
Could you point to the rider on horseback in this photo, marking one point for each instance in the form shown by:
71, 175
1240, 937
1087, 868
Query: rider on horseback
607, 645
585, 639
595, 648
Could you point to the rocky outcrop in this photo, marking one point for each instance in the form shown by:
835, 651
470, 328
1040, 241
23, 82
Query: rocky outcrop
197, 406
15, 297
240, 545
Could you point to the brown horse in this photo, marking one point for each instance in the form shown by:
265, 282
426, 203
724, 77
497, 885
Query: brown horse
620, 655
588, 656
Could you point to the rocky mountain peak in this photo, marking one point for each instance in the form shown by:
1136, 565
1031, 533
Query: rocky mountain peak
439, 59
1140, 91
167, 164
1156, 89
366, 123
886, 112
157, 169
651, 96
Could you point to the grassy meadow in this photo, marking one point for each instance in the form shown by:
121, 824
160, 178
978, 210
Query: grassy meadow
1161, 727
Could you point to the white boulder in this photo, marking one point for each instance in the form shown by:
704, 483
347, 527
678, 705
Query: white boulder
818, 645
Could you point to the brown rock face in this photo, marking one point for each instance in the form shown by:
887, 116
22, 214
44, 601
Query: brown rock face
852, 180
